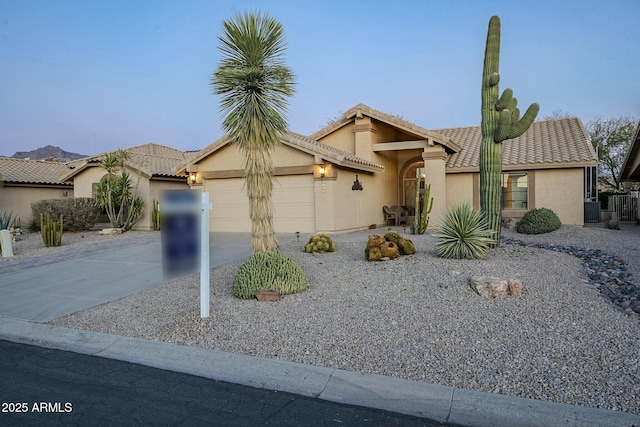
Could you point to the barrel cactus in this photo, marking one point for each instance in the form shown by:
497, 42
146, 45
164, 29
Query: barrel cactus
389, 246
500, 121
320, 243
269, 271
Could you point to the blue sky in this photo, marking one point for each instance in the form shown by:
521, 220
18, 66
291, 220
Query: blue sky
93, 75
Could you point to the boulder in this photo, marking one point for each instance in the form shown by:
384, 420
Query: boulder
491, 287
109, 231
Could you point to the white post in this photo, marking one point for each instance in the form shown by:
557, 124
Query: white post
205, 295
7, 250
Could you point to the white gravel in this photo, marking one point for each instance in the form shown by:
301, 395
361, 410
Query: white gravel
416, 318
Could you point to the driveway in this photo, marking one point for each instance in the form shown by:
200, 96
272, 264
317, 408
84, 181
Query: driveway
39, 290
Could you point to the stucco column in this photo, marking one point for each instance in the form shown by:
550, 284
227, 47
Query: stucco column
434, 169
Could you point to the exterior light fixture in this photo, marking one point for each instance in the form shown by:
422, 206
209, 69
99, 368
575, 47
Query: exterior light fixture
322, 171
193, 177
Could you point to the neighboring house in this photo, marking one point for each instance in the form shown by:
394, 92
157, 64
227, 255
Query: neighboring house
151, 166
27, 181
630, 175
339, 178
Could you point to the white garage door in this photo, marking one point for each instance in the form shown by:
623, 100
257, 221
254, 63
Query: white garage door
293, 204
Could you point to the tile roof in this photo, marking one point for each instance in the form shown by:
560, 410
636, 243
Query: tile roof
555, 141
328, 152
32, 171
152, 159
399, 123
303, 143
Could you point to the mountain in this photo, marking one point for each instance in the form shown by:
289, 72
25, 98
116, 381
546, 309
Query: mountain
48, 152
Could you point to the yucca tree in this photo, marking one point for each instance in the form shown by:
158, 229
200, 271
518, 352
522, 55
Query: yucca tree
254, 83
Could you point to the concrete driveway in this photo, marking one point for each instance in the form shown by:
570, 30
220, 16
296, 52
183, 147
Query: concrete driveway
40, 289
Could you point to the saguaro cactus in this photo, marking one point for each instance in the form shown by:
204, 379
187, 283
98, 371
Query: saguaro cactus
500, 121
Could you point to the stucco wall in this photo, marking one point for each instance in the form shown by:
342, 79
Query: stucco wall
459, 189
561, 190
83, 181
19, 199
344, 139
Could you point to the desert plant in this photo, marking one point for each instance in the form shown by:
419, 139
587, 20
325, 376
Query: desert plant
254, 82
5, 220
51, 230
463, 234
421, 219
539, 221
320, 243
269, 271
155, 215
405, 246
500, 121
79, 213
612, 225
117, 193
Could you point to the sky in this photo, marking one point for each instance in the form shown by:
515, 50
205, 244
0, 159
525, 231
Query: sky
91, 76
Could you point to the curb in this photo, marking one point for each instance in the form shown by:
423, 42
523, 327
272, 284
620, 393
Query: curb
416, 398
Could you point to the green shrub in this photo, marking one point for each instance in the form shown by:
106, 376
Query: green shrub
319, 243
612, 225
463, 234
79, 213
269, 271
539, 221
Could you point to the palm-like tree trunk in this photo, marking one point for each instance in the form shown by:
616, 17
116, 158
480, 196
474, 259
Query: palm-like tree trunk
254, 83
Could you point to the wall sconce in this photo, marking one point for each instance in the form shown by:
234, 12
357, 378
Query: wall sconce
193, 177
322, 171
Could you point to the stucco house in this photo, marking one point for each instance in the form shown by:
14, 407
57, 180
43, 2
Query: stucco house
339, 178
631, 167
27, 181
151, 166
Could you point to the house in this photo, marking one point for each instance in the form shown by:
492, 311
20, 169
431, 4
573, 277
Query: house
630, 174
27, 181
151, 166
339, 178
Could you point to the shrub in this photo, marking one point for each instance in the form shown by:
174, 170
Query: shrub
463, 234
269, 271
612, 225
79, 213
320, 243
539, 221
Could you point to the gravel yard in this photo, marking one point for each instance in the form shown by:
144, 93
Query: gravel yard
416, 318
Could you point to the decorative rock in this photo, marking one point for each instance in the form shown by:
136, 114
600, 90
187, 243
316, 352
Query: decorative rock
266, 295
109, 231
514, 288
605, 272
491, 287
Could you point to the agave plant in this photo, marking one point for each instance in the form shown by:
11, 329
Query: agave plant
463, 234
5, 220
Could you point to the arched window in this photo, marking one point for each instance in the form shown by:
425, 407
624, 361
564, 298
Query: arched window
411, 175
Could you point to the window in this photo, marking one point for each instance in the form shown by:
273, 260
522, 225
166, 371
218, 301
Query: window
514, 190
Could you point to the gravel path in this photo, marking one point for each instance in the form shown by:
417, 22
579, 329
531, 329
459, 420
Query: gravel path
416, 318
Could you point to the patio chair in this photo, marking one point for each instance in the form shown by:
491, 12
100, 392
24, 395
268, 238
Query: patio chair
401, 213
390, 215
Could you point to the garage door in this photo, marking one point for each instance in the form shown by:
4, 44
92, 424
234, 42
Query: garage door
293, 204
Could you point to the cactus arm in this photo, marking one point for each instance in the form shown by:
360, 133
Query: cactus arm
521, 126
505, 100
504, 125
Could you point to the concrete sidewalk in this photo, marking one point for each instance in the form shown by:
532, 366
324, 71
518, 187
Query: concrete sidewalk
435, 402
80, 280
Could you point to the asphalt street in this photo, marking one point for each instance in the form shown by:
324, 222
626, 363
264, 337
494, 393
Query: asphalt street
46, 387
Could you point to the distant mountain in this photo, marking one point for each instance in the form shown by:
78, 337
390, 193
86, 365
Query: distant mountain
48, 152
